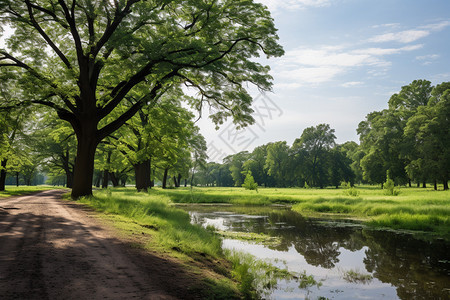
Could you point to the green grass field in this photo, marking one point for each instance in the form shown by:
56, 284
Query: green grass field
415, 209
12, 190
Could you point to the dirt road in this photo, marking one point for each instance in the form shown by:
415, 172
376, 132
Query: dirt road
54, 249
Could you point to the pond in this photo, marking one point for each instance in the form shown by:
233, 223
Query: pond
349, 260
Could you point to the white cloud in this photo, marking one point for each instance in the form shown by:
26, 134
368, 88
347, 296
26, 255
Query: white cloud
405, 37
305, 66
437, 26
427, 57
307, 75
275, 5
352, 84
387, 51
389, 25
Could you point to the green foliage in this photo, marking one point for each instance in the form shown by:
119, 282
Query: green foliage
349, 190
249, 182
389, 186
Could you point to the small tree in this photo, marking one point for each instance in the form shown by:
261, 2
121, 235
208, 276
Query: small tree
249, 182
389, 186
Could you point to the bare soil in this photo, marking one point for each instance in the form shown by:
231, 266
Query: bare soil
55, 249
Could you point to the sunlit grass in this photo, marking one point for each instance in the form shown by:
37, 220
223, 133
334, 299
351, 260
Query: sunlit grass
416, 209
12, 190
171, 226
160, 227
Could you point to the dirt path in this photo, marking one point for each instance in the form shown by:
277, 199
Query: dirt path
54, 249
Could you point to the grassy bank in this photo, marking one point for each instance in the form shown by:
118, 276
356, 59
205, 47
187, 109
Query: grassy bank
154, 225
413, 209
12, 190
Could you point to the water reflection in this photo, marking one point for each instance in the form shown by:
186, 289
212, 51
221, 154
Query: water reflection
402, 267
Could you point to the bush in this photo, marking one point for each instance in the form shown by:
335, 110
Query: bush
349, 190
249, 182
389, 186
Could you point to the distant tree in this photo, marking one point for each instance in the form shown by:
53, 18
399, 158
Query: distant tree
235, 163
381, 136
277, 163
13, 143
315, 143
256, 164
430, 129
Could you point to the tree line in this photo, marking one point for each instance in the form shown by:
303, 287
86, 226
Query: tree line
410, 140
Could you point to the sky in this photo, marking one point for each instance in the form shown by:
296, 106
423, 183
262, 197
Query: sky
343, 60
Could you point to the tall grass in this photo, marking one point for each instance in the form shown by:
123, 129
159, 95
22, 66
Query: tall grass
158, 226
170, 226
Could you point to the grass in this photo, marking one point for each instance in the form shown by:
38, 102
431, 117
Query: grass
414, 209
259, 278
159, 227
12, 190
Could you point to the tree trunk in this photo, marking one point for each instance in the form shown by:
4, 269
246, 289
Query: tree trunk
97, 181
3, 174
164, 183
114, 180
418, 184
142, 173
67, 170
17, 178
84, 164
445, 182
69, 178
185, 182
424, 184
105, 179
409, 182
175, 183
435, 185
179, 180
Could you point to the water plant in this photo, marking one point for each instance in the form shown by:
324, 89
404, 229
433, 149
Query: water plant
355, 276
259, 278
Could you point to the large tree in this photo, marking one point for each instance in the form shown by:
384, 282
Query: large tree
82, 58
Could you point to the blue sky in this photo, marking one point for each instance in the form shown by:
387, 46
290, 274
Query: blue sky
344, 59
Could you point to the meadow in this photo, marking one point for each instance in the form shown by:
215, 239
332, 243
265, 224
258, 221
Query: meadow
416, 209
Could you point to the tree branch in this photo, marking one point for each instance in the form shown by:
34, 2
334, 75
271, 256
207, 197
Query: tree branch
153, 95
45, 36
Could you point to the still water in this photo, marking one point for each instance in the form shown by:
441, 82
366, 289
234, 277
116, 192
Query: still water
388, 265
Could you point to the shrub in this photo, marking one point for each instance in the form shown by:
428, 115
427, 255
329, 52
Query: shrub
389, 186
249, 182
349, 189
